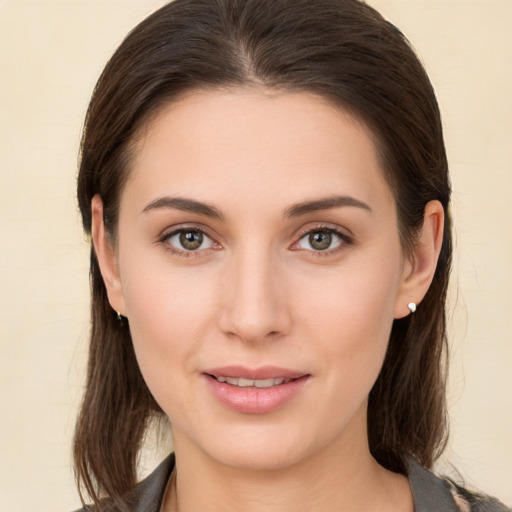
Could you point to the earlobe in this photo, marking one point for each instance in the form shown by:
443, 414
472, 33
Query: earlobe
422, 263
106, 257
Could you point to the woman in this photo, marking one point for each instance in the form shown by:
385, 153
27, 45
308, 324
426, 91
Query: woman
266, 187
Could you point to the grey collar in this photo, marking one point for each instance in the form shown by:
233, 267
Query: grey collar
430, 493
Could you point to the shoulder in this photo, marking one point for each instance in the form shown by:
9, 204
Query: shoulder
443, 495
148, 494
476, 502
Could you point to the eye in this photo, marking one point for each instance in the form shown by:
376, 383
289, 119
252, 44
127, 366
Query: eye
189, 240
321, 240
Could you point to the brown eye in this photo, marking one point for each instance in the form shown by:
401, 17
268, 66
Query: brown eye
321, 240
189, 240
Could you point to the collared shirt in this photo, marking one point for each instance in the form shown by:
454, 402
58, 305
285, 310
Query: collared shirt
430, 493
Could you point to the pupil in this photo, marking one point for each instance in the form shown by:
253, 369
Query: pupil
191, 240
320, 240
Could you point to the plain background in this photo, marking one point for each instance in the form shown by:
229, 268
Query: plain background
52, 52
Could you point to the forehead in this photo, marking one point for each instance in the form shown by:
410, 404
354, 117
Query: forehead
255, 142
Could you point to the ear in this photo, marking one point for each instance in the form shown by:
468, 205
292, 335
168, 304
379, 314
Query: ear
106, 256
421, 265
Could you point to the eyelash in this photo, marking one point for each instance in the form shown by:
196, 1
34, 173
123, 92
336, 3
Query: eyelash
344, 241
183, 253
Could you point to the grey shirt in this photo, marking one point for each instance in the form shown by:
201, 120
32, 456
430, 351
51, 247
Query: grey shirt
431, 494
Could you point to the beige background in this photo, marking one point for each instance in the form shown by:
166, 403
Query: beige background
51, 53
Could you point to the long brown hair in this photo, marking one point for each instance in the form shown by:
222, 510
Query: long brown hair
342, 50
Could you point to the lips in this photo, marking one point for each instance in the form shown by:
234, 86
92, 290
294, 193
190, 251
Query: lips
255, 391
262, 373
258, 383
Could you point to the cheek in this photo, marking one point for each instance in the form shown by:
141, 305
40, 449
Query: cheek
351, 317
168, 314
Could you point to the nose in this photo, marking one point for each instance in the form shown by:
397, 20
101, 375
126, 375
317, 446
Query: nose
254, 306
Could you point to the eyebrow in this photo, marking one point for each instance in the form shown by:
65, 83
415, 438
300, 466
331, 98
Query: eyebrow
324, 204
185, 205
296, 210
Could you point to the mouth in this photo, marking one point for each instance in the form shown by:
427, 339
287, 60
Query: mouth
255, 391
242, 382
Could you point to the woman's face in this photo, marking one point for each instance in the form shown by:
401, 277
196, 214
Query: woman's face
260, 267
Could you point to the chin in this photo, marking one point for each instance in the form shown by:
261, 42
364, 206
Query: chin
256, 449
268, 458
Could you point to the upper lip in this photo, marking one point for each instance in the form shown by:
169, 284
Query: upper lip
261, 373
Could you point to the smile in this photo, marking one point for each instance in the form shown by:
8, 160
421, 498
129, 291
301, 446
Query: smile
246, 383
255, 391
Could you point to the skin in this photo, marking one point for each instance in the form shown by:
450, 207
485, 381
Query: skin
257, 293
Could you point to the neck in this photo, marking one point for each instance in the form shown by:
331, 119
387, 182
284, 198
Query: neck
340, 477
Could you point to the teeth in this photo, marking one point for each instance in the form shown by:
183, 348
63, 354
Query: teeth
246, 383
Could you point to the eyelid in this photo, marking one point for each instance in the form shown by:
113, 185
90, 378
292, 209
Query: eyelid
192, 226
347, 238
171, 231
345, 234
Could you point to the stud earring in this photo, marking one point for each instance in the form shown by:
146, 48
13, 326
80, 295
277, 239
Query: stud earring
412, 307
119, 316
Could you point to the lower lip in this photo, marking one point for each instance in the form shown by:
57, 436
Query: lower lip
252, 400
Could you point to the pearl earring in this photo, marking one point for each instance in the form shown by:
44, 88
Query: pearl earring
412, 307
